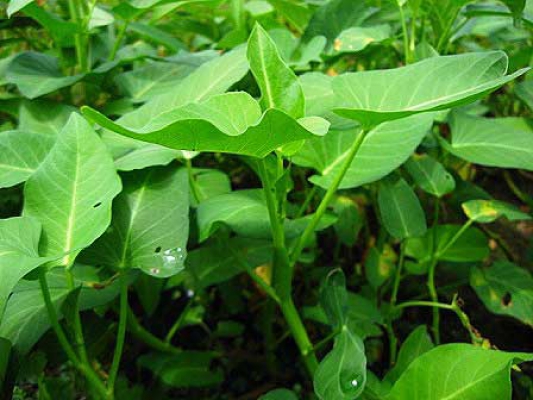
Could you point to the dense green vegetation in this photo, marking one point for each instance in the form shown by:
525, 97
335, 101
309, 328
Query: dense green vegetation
266, 199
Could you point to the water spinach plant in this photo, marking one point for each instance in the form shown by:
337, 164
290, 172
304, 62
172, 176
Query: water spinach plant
282, 199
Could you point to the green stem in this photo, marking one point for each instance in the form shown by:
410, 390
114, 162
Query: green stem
83, 368
407, 52
121, 334
431, 273
422, 303
78, 328
398, 275
282, 275
118, 41
300, 335
179, 323
192, 181
393, 344
77, 9
310, 228
307, 202
137, 330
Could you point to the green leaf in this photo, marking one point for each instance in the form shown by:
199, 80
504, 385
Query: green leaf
373, 97
298, 14
486, 211
227, 123
279, 85
383, 150
26, 319
220, 260
400, 209
505, 289
188, 369
342, 373
211, 78
471, 246
279, 394
336, 16
417, 343
43, 117
37, 74
21, 153
71, 192
355, 39
334, 298
502, 142
150, 224
380, 265
19, 241
246, 213
430, 175
349, 220
141, 84
524, 90
516, 7
458, 372
209, 183
16, 5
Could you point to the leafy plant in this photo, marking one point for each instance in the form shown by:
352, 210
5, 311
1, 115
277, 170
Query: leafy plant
262, 199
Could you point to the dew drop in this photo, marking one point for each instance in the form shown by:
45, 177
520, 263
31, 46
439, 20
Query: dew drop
354, 383
170, 261
190, 293
155, 271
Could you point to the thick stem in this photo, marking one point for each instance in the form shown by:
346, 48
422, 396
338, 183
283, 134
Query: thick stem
121, 334
322, 208
77, 10
282, 275
83, 368
300, 336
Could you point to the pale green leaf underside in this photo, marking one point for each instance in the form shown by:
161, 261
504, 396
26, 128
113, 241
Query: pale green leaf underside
383, 150
71, 192
505, 289
211, 78
502, 142
437, 83
458, 372
150, 221
227, 123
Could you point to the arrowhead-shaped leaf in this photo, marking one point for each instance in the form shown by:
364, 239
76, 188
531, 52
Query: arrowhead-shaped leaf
227, 123
458, 372
279, 85
37, 74
71, 192
501, 142
383, 150
150, 224
437, 83
211, 78
19, 241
